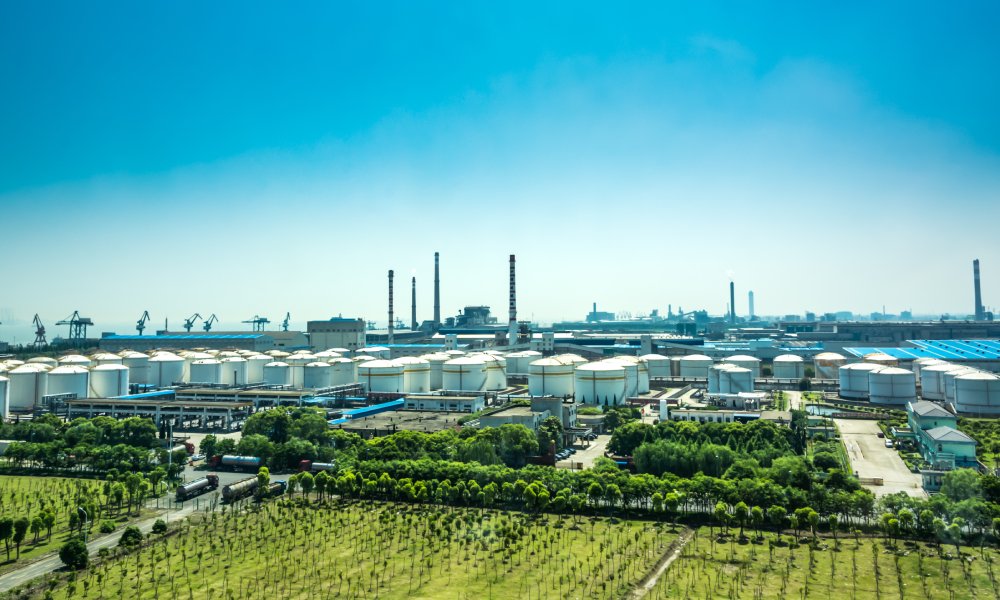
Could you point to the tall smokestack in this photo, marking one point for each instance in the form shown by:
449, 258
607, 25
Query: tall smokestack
413, 307
512, 325
437, 293
980, 311
732, 303
750, 297
391, 318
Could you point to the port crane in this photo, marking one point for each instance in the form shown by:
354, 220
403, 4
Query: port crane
39, 333
77, 326
209, 321
258, 322
284, 324
189, 322
141, 323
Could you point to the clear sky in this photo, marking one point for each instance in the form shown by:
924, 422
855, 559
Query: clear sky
242, 157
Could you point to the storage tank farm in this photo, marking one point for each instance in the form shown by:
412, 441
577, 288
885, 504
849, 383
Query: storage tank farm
277, 373
316, 375
854, 379
600, 383
27, 384
234, 370
657, 365
109, 380
892, 385
695, 365
435, 362
69, 379
382, 376
978, 394
827, 365
206, 370
464, 374
551, 376
788, 366
138, 366
747, 362
343, 371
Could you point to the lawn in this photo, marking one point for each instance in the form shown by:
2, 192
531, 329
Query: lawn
292, 550
858, 569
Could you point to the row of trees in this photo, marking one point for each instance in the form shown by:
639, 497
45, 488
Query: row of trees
15, 530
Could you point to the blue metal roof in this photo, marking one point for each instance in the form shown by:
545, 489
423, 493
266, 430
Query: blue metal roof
187, 336
146, 395
957, 350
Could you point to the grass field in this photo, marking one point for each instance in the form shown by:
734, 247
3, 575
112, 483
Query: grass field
383, 550
28, 496
857, 570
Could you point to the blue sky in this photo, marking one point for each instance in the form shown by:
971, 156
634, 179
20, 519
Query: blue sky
244, 158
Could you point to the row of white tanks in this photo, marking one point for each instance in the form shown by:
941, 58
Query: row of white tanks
877, 383
969, 390
605, 382
23, 386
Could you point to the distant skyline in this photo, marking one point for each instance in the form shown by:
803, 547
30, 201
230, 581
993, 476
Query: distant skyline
247, 158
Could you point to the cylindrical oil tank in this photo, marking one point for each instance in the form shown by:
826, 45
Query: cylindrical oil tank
455, 353
948, 380
382, 376
105, 358
109, 381
600, 383
736, 380
13, 363
932, 380
28, 383
715, 377
138, 366
496, 372
316, 375
190, 356
234, 370
657, 364
363, 358
788, 366
882, 359
166, 369
464, 373
978, 394
326, 355
827, 365
516, 361
374, 352
416, 374
69, 379
745, 361
75, 359
209, 351
574, 359
206, 370
343, 371
296, 364
255, 367
919, 364
4, 397
695, 365
436, 361
640, 373
854, 379
277, 373
550, 377
892, 385
39, 360
631, 374
228, 354
278, 354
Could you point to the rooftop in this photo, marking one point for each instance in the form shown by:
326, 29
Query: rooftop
924, 408
957, 350
949, 434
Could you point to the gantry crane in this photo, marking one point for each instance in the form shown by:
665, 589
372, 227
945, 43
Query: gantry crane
77, 326
141, 323
39, 333
284, 324
209, 321
258, 322
189, 322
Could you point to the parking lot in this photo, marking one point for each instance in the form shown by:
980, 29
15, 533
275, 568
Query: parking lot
871, 459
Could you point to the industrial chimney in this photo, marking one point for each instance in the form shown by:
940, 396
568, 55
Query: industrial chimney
732, 303
413, 306
750, 297
437, 294
512, 325
391, 318
980, 311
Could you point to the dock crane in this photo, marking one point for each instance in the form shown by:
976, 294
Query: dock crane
77, 326
208, 322
258, 322
141, 323
284, 324
39, 333
189, 322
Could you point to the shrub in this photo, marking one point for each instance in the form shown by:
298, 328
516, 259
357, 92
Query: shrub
107, 526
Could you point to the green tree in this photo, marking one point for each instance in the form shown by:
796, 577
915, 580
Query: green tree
517, 443
131, 537
209, 445
21, 525
74, 553
308, 482
742, 513
36, 527
322, 481
160, 527
6, 532
49, 520
133, 485
960, 484
263, 481
757, 518
550, 435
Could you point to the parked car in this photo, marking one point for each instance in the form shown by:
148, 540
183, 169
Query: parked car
880, 434
888, 443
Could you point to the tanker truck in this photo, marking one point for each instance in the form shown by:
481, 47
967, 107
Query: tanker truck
197, 487
239, 490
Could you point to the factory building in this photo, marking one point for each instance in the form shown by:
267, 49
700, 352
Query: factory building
338, 332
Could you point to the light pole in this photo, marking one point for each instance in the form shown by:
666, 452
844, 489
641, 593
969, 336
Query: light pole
86, 519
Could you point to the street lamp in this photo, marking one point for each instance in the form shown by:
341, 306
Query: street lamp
86, 518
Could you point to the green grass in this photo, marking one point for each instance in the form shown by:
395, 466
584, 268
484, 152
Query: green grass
862, 569
383, 550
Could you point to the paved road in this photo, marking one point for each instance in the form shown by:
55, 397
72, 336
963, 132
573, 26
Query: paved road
46, 565
585, 457
870, 458
794, 399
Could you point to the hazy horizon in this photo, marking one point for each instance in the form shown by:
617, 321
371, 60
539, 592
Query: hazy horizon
244, 159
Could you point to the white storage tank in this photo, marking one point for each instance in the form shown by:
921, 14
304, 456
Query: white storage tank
657, 365
69, 379
374, 352
316, 375
105, 358
326, 355
343, 371
278, 354
109, 381
788, 366
436, 361
932, 380
854, 379
695, 365
881, 359
296, 363
190, 356
464, 373
416, 374
736, 380
715, 377
496, 372
978, 394
600, 383
277, 373
363, 358
255, 367
550, 377
892, 385
948, 380
745, 361
574, 359
38, 360
827, 365
4, 398
13, 363
640, 373
382, 376
138, 366
234, 370
228, 354
75, 359
920, 363
631, 374
517, 362
166, 369
27, 385
206, 370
